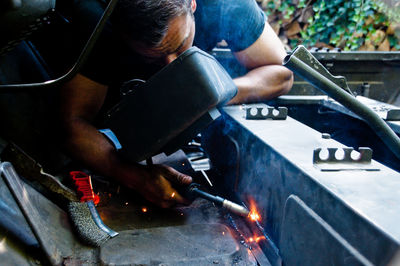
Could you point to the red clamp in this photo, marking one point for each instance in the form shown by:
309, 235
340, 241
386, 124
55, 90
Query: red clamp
84, 186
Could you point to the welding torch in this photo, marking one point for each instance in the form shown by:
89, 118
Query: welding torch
223, 203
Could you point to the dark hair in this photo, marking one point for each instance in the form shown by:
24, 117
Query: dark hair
146, 21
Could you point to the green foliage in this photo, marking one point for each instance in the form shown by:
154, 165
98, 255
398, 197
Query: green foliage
342, 23
347, 24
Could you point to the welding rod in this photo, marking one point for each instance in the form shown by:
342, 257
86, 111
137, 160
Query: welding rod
224, 203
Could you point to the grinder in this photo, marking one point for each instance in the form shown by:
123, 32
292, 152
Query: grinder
171, 108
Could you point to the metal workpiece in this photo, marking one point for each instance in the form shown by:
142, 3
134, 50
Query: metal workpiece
352, 214
265, 112
189, 244
302, 62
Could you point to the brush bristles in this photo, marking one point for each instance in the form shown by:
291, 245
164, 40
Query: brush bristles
83, 222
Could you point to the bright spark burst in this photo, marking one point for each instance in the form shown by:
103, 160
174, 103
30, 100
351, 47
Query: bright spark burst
253, 214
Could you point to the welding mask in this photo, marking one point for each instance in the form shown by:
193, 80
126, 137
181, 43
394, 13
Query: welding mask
171, 108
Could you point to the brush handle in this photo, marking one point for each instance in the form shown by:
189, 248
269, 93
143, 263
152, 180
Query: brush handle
84, 186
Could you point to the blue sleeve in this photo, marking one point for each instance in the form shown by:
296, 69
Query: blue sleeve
242, 23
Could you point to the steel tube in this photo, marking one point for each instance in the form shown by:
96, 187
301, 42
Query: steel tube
384, 132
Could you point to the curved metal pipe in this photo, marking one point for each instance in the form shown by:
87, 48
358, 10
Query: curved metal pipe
319, 81
78, 64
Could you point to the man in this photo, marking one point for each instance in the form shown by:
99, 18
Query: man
147, 35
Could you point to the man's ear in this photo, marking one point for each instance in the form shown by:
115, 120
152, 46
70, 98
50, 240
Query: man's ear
193, 5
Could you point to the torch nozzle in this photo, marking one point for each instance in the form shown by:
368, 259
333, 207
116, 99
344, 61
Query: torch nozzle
224, 203
235, 208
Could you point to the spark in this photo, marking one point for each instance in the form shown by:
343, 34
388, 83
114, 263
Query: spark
126, 203
260, 238
255, 239
173, 194
144, 209
253, 214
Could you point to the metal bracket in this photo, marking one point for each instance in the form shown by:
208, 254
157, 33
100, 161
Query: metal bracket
347, 162
262, 113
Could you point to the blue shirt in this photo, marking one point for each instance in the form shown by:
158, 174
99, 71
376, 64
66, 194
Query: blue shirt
238, 22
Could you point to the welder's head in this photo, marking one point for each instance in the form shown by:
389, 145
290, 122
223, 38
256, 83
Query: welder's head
158, 30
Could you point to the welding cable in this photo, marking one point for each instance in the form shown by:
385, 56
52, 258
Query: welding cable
298, 63
78, 64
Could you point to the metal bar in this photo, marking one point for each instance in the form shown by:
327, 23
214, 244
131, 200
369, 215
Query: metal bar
30, 213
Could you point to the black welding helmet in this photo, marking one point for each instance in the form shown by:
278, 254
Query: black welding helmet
171, 107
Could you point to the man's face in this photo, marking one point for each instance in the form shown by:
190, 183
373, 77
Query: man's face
178, 39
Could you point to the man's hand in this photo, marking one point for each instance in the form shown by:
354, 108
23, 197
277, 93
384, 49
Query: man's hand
156, 183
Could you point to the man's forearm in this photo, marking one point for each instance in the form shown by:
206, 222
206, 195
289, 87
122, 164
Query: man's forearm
263, 83
89, 146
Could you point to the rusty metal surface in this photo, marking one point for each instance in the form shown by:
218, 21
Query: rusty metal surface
149, 234
169, 236
196, 244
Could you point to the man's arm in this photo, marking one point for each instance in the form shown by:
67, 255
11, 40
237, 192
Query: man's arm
81, 100
267, 77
